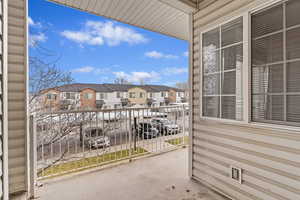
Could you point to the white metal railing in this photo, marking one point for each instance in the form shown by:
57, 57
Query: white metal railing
73, 140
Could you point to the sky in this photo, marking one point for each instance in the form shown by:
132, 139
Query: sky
99, 50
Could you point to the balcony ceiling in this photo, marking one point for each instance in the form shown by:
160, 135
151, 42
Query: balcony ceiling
169, 17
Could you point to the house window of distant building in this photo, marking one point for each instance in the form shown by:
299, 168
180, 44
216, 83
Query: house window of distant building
142, 94
163, 94
222, 62
102, 95
52, 96
132, 95
70, 95
88, 95
118, 95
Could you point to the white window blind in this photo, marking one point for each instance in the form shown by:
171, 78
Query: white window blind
276, 64
222, 61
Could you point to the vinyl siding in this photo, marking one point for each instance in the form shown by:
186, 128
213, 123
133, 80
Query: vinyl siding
2, 102
269, 157
17, 114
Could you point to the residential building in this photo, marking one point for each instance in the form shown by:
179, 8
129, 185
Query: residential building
244, 83
107, 96
137, 96
87, 99
51, 100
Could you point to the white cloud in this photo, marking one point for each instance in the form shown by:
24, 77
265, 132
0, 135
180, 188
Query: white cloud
102, 71
82, 38
175, 70
186, 54
138, 77
91, 69
99, 33
36, 38
30, 21
34, 24
158, 55
86, 69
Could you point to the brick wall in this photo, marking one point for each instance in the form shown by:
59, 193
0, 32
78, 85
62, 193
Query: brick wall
87, 103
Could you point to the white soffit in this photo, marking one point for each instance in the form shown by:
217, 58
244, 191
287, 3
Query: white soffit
169, 17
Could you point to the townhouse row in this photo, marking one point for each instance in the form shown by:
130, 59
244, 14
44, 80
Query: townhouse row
107, 96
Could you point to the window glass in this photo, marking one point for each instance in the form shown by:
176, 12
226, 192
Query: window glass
267, 22
293, 77
293, 108
267, 50
293, 43
211, 106
267, 79
292, 13
232, 32
275, 66
222, 71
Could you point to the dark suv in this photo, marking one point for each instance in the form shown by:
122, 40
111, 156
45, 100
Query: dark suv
146, 130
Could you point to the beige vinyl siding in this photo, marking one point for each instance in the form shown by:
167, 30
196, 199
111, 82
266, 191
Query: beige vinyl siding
269, 157
2, 102
17, 62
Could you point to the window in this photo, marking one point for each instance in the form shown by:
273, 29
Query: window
164, 94
222, 62
118, 95
102, 96
132, 95
52, 96
142, 94
276, 64
70, 95
88, 95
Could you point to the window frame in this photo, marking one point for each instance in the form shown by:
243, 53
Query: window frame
285, 62
247, 87
245, 67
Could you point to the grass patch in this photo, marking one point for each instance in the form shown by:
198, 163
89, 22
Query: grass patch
178, 141
87, 163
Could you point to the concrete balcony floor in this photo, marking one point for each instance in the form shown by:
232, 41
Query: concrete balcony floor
161, 177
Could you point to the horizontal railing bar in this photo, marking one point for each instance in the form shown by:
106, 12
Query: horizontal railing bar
109, 110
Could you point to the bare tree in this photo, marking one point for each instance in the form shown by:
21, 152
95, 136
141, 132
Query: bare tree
43, 70
45, 75
121, 80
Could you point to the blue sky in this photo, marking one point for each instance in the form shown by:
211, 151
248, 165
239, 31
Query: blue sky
98, 50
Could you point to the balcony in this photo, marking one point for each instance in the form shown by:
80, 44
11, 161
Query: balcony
160, 177
132, 153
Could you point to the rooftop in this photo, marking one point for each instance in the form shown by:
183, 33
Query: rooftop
77, 87
162, 177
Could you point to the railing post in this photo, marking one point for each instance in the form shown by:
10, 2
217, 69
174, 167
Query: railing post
33, 156
130, 132
183, 126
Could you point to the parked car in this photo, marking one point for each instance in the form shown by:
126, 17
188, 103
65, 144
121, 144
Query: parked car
146, 130
94, 137
165, 126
